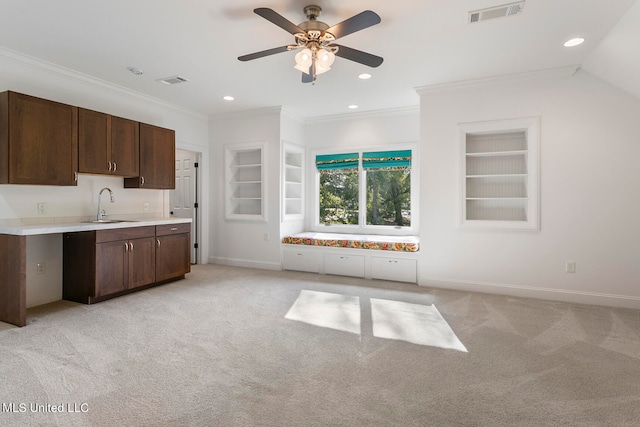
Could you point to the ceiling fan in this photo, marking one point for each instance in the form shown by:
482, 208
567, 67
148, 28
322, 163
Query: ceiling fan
315, 40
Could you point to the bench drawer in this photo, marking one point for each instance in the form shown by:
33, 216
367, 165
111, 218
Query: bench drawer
396, 269
344, 265
301, 261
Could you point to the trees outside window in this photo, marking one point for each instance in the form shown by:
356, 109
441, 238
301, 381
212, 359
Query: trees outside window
378, 182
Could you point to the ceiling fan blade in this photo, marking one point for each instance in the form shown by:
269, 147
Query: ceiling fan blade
358, 56
262, 53
282, 22
307, 78
355, 23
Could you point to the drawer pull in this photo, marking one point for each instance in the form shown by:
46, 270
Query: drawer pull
158, 241
174, 228
395, 261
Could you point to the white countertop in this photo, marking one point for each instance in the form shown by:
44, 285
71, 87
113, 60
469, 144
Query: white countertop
64, 227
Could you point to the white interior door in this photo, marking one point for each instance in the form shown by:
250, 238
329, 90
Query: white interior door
184, 198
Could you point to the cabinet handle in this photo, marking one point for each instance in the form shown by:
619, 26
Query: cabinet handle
131, 246
115, 166
174, 228
141, 181
344, 257
395, 261
109, 165
158, 241
126, 247
75, 177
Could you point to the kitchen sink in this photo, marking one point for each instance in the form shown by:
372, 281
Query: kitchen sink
109, 221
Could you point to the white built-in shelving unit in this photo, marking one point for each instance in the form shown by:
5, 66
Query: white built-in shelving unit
293, 181
245, 181
500, 174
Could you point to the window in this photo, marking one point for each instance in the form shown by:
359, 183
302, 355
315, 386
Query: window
388, 191
365, 190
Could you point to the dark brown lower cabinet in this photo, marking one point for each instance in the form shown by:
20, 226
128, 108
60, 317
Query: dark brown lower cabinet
103, 264
173, 251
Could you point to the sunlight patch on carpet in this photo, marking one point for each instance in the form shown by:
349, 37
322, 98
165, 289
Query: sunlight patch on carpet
328, 310
414, 323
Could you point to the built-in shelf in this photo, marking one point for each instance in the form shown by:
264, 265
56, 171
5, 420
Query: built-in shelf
293, 179
500, 174
244, 171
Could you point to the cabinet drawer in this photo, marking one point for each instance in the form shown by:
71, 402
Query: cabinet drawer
344, 265
301, 261
399, 270
114, 234
164, 230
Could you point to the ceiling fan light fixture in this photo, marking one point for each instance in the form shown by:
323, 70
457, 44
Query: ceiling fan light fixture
324, 60
303, 60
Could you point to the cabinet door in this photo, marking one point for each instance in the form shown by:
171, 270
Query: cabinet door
94, 134
142, 262
125, 147
112, 264
43, 141
157, 159
172, 256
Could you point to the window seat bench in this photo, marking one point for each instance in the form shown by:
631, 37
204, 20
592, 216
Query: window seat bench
369, 256
355, 241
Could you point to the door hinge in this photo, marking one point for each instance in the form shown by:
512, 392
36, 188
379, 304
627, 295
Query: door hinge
195, 245
195, 205
195, 164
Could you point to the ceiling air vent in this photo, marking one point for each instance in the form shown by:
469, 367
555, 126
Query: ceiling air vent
173, 80
496, 12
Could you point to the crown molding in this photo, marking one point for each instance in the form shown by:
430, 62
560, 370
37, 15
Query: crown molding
515, 78
68, 73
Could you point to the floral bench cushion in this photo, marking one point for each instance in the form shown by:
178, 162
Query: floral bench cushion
355, 241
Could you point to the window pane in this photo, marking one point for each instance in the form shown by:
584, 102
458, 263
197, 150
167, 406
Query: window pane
389, 197
339, 198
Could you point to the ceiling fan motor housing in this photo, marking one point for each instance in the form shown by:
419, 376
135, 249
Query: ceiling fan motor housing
312, 11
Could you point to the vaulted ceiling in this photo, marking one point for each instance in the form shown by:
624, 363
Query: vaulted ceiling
422, 43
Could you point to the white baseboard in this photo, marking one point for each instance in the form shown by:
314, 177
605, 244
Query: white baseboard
591, 298
245, 263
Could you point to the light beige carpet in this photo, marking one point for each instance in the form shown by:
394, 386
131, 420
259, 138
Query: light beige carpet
217, 349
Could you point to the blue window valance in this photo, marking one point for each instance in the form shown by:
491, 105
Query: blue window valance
387, 160
337, 162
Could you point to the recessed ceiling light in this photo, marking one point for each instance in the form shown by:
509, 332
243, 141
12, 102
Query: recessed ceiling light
364, 76
136, 71
574, 42
353, 106
228, 98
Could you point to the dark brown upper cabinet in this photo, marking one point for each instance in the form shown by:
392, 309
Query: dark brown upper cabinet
107, 145
157, 159
38, 141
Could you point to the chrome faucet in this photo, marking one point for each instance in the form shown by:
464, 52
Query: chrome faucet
101, 214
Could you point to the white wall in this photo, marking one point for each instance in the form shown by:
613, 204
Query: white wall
18, 203
238, 242
590, 146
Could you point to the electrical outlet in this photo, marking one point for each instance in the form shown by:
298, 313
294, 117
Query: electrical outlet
570, 267
41, 268
145, 206
266, 237
42, 208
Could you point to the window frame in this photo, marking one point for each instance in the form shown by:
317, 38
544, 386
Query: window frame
362, 227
